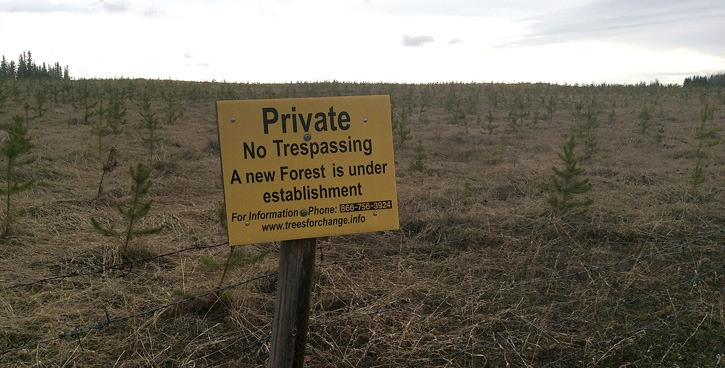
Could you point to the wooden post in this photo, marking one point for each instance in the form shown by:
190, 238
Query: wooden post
292, 308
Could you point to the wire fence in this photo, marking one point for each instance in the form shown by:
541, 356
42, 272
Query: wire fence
129, 264
126, 265
262, 335
81, 331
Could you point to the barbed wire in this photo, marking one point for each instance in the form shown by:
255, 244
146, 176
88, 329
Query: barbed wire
109, 320
80, 332
131, 263
109, 267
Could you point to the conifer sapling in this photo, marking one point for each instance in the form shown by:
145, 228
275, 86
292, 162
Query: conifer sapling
151, 123
567, 183
134, 211
15, 148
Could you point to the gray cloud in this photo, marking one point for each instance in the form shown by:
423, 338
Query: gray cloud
113, 6
665, 24
38, 6
416, 41
468, 8
68, 6
152, 12
695, 24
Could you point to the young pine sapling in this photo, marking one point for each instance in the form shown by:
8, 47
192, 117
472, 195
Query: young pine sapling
419, 157
567, 184
645, 118
14, 153
116, 112
706, 135
133, 212
490, 125
151, 123
87, 101
401, 130
100, 130
172, 109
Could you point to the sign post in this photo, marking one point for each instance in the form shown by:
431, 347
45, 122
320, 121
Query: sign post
291, 312
298, 169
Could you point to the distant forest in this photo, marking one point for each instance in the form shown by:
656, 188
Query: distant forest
715, 80
27, 68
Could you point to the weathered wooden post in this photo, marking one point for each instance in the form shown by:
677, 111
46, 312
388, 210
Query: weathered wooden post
297, 169
291, 311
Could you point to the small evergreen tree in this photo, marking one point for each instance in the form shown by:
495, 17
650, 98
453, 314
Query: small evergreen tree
697, 178
14, 151
419, 158
401, 130
550, 106
40, 102
87, 101
644, 120
706, 135
100, 130
116, 112
151, 123
134, 211
567, 184
586, 130
518, 112
172, 110
490, 125
612, 116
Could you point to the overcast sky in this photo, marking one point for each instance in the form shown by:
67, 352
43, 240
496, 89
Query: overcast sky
559, 41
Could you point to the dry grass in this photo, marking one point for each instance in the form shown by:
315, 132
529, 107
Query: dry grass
479, 275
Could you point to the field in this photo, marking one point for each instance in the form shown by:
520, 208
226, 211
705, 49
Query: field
481, 273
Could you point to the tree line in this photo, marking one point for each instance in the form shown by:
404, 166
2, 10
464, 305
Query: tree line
27, 68
715, 80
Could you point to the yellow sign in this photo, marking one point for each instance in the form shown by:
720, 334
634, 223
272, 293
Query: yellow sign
307, 167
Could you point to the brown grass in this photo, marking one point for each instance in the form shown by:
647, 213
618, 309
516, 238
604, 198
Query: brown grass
479, 274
